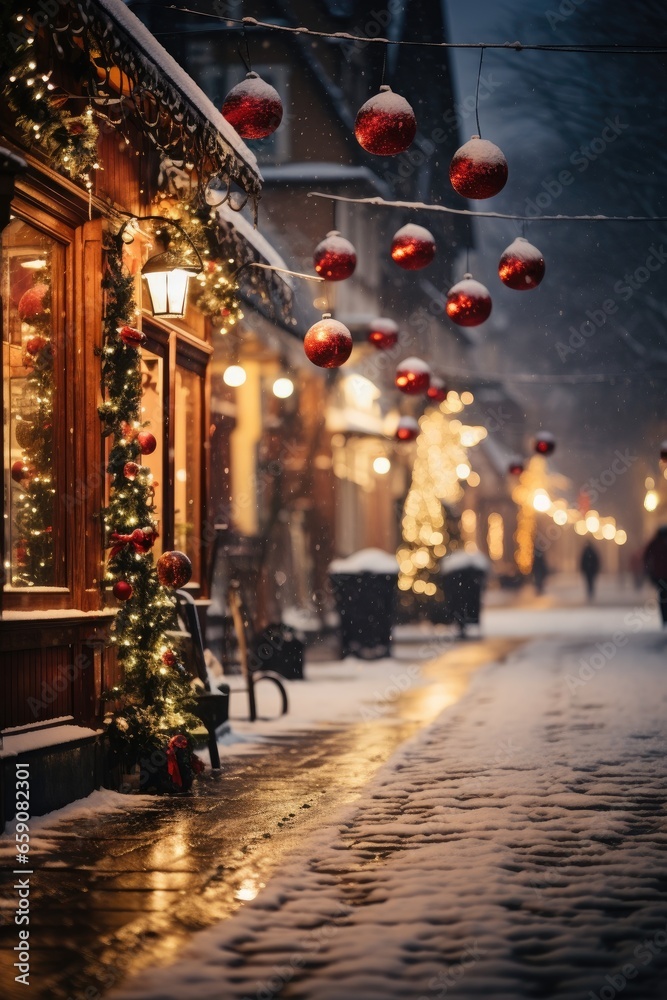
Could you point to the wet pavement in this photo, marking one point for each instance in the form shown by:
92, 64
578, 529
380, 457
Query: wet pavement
116, 893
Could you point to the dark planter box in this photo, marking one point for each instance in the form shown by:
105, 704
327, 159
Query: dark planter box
365, 603
463, 596
277, 648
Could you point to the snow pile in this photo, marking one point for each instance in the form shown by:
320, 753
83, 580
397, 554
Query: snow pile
457, 561
513, 850
35, 739
366, 561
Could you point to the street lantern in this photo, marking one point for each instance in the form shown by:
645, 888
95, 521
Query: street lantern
167, 277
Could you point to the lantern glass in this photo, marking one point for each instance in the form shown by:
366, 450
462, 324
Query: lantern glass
168, 291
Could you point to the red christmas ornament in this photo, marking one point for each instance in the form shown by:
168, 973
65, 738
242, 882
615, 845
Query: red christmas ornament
141, 539
131, 470
413, 247
545, 443
468, 302
131, 337
413, 376
335, 258
21, 551
386, 124
34, 345
169, 658
407, 430
515, 468
383, 333
253, 107
478, 169
20, 471
128, 431
521, 265
174, 569
122, 590
328, 344
663, 451
437, 390
33, 302
147, 442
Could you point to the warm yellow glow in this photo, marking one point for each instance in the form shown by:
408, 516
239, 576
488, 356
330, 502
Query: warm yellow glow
247, 890
360, 391
651, 500
467, 398
608, 531
592, 521
473, 479
381, 465
469, 521
620, 538
541, 501
234, 376
463, 470
495, 537
580, 527
283, 388
648, 482
560, 517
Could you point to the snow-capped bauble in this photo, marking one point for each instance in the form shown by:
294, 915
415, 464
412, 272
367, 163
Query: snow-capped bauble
383, 333
468, 302
385, 124
253, 107
478, 169
169, 658
412, 247
545, 443
33, 302
663, 451
131, 337
515, 468
335, 258
521, 265
328, 343
437, 390
131, 470
122, 590
407, 430
413, 376
147, 442
174, 569
34, 345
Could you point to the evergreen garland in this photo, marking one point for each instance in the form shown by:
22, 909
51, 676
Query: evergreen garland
154, 700
34, 505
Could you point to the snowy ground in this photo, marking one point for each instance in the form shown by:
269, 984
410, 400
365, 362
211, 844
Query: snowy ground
514, 848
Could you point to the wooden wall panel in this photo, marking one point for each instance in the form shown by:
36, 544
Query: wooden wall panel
35, 685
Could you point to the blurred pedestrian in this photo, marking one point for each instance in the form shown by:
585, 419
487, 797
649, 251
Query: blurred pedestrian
590, 567
540, 571
655, 564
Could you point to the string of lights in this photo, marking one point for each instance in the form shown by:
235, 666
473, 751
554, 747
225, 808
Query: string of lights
345, 36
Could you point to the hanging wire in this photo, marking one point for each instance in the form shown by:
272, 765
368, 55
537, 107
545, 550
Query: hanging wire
384, 65
345, 36
423, 207
245, 59
479, 77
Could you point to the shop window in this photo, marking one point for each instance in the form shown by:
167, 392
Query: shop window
152, 410
33, 295
187, 465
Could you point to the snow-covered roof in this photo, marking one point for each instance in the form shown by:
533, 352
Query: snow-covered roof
366, 561
317, 172
120, 40
457, 561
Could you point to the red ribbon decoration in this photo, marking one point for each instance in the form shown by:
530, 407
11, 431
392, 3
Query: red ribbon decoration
143, 540
176, 742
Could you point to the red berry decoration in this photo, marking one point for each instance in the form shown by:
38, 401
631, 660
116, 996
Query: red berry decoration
328, 344
147, 442
33, 302
515, 468
413, 247
131, 470
478, 169
20, 471
521, 265
253, 107
383, 333
34, 345
335, 258
131, 337
545, 443
122, 590
468, 302
437, 390
407, 430
413, 376
174, 569
169, 658
663, 451
386, 124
